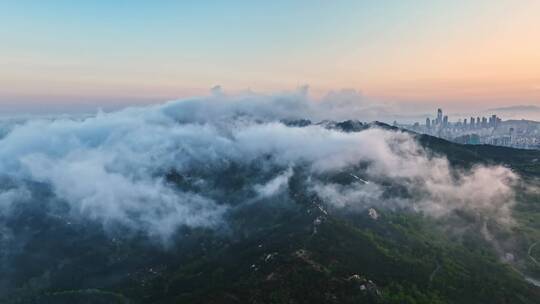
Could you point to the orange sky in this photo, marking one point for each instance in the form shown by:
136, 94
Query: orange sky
481, 53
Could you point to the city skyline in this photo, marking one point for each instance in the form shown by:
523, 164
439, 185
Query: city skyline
461, 55
474, 130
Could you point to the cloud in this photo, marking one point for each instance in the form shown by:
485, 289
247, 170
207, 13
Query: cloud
227, 150
9, 197
358, 196
523, 108
83, 180
431, 185
275, 185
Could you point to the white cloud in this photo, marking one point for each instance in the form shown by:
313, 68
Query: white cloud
110, 167
275, 185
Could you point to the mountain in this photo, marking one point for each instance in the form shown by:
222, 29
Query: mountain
294, 242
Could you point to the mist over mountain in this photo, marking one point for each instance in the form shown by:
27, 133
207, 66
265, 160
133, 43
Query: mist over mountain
111, 167
209, 174
346, 152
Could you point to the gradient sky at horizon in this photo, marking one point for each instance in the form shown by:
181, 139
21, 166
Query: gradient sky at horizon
461, 54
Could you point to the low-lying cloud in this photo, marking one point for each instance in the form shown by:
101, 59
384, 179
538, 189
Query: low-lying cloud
112, 168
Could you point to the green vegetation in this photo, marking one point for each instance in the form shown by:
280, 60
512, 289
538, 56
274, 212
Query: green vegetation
273, 255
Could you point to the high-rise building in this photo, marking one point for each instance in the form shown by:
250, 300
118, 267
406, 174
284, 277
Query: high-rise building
439, 116
445, 120
428, 123
493, 120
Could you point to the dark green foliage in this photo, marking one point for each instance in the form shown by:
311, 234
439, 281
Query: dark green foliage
275, 255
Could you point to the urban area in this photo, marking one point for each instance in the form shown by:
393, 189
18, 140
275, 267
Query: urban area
490, 130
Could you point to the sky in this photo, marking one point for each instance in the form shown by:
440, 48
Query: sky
464, 55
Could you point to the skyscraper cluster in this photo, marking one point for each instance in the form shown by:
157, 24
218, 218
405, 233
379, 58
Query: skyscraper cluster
482, 130
441, 122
